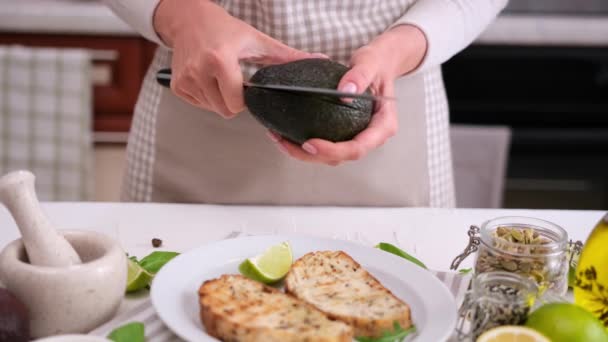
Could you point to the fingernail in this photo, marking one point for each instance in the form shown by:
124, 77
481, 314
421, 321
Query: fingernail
273, 137
320, 55
349, 88
283, 149
309, 148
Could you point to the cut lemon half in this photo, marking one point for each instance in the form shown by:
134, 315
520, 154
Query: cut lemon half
137, 277
270, 266
512, 333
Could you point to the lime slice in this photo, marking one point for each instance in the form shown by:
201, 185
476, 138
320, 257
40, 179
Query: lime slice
511, 333
270, 266
137, 277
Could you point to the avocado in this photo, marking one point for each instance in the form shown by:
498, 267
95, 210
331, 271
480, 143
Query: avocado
298, 117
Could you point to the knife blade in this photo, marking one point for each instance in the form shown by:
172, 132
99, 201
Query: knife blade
163, 77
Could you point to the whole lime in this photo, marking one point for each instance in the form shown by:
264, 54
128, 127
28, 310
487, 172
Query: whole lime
565, 322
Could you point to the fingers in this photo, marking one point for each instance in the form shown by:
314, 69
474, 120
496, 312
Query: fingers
212, 78
272, 51
212, 83
292, 150
363, 72
215, 97
185, 87
230, 82
384, 125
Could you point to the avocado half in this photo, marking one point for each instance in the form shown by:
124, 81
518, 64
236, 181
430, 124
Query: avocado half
298, 116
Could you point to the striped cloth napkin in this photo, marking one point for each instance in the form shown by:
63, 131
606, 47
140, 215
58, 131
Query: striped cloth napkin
45, 119
157, 331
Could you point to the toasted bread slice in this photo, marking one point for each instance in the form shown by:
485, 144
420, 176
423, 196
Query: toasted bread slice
337, 285
235, 308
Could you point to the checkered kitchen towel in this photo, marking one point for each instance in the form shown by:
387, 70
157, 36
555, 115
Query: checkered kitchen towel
45, 119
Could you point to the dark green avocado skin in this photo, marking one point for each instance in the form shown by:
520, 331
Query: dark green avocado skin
298, 117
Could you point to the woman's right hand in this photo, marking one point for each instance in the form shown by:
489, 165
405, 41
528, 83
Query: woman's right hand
208, 44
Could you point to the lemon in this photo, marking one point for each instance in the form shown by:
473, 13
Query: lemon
512, 333
567, 322
270, 266
137, 277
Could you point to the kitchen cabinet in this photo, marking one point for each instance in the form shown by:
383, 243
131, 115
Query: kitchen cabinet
119, 65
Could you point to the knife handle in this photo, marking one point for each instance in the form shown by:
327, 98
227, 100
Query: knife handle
163, 77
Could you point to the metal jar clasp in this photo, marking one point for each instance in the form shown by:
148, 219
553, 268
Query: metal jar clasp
472, 247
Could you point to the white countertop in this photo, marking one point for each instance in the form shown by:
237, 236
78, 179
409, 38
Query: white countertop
436, 236
92, 17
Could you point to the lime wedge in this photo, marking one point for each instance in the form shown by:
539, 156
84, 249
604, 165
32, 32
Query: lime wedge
137, 277
270, 266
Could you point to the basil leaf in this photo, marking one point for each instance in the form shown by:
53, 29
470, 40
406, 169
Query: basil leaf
465, 270
397, 335
387, 247
155, 260
130, 332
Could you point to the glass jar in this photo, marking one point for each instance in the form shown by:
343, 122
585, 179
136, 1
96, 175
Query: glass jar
527, 246
495, 299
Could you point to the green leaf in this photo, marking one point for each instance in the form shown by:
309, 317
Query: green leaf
387, 247
155, 260
465, 270
398, 334
130, 332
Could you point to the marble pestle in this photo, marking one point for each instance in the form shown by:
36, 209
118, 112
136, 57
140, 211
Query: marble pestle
43, 243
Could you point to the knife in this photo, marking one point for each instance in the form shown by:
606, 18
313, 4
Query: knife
163, 77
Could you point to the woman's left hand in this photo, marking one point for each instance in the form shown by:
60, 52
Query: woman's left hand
376, 65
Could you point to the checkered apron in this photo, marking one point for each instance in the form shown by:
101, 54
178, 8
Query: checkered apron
166, 162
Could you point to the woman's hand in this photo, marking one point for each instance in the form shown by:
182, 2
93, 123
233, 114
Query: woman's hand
376, 65
208, 44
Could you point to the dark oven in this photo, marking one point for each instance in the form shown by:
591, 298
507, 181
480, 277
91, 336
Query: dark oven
555, 99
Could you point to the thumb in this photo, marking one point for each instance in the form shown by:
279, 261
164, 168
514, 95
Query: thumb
275, 52
362, 73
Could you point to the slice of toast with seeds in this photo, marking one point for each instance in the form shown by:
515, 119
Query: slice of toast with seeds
338, 286
234, 308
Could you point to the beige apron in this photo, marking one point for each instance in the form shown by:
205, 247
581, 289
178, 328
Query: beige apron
203, 158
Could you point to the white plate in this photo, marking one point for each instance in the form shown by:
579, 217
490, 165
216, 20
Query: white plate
175, 289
